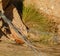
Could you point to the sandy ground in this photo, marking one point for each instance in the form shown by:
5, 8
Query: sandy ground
51, 7
10, 48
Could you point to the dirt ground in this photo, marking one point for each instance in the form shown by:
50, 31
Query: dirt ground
10, 48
